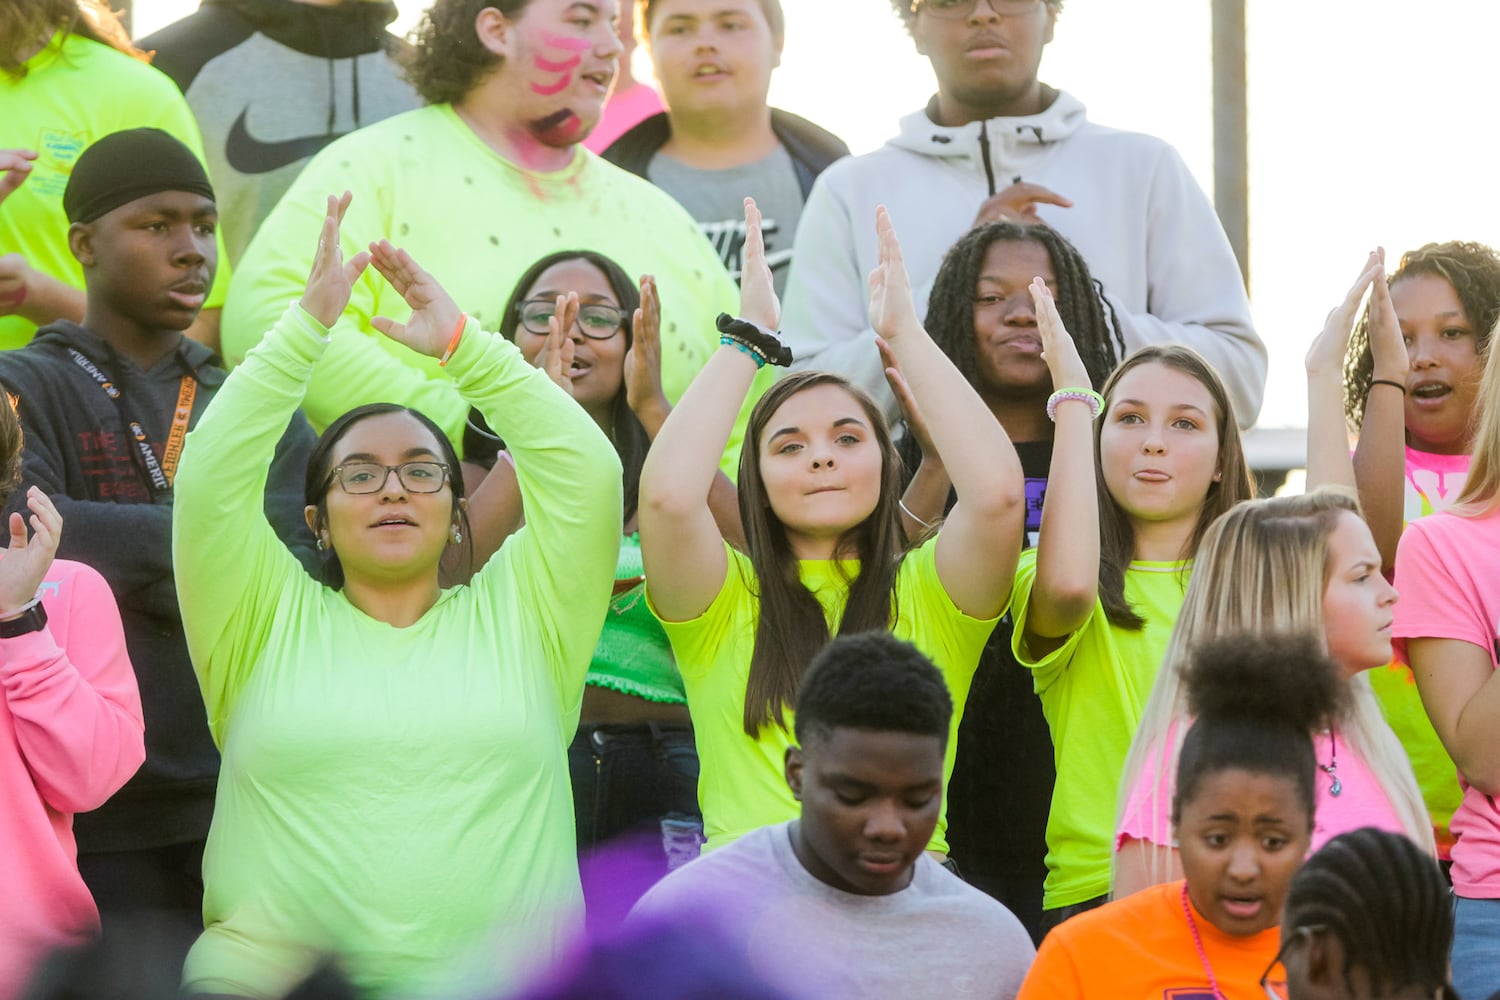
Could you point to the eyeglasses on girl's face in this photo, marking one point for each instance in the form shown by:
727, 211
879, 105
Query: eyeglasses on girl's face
360, 478
596, 320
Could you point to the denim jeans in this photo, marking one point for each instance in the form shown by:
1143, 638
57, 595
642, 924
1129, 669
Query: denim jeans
634, 778
1476, 947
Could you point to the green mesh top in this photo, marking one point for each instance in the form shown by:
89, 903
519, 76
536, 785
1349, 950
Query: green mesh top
633, 655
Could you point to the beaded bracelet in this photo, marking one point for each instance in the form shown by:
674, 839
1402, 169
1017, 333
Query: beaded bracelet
1390, 382
764, 343
745, 349
458, 332
1095, 401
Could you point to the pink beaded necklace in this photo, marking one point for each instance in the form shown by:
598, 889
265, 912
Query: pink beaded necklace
1187, 911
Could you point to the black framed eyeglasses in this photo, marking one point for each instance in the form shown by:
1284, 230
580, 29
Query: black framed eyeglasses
955, 9
359, 478
596, 321
1277, 989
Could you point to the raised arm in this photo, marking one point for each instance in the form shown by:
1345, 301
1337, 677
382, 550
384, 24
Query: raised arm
563, 561
681, 545
1380, 455
68, 688
1067, 559
1328, 462
232, 569
981, 537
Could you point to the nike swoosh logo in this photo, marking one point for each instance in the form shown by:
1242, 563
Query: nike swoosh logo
249, 155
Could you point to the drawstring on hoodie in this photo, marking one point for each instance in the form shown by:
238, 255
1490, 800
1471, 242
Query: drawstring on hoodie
984, 154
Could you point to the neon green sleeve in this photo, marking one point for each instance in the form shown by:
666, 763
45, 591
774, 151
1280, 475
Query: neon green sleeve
232, 571
562, 562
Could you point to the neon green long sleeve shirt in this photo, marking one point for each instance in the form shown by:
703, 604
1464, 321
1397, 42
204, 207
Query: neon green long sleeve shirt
395, 796
475, 221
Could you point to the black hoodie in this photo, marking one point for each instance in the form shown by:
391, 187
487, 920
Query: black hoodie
79, 451
272, 82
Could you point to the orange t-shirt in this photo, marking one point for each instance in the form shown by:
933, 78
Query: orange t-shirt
1141, 948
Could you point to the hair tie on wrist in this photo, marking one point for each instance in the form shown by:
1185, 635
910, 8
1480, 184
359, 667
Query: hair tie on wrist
1095, 401
907, 511
755, 340
1388, 381
458, 332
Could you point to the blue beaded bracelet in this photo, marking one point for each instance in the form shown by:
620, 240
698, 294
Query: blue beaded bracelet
746, 349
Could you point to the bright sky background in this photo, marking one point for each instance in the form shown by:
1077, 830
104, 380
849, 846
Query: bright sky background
1368, 122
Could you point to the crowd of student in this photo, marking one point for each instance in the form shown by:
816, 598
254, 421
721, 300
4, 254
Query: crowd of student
963, 652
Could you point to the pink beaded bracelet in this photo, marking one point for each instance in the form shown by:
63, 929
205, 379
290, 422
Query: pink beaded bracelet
1095, 401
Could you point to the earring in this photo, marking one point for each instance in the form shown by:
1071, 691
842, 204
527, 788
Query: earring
1218, 476
458, 536
320, 544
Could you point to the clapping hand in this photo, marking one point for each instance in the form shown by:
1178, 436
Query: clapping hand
26, 563
643, 389
434, 315
556, 356
1326, 355
1058, 348
332, 279
758, 301
892, 311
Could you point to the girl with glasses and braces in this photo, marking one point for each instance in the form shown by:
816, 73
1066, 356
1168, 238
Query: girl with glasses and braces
394, 783
578, 315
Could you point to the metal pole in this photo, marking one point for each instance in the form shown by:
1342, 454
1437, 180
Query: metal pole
1231, 129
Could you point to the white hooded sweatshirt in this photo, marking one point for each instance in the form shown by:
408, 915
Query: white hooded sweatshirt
1141, 221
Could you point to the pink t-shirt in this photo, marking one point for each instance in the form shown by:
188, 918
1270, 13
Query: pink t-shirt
70, 736
1449, 568
623, 111
1433, 482
1361, 801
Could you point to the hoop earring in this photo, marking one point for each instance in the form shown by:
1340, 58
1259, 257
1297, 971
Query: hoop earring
320, 544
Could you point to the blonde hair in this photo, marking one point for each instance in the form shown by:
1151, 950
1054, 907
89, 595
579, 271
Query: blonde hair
1481, 492
1262, 568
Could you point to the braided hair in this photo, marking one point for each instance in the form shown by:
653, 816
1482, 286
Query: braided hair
1090, 320
1388, 904
1473, 270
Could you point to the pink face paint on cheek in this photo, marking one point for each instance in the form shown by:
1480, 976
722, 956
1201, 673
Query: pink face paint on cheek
548, 66
549, 89
566, 42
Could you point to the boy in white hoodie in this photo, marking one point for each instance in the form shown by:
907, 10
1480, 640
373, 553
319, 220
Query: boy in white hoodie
996, 143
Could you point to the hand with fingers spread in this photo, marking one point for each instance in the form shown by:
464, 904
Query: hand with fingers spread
892, 311
1058, 348
434, 314
758, 301
1018, 203
332, 279
15, 167
556, 356
27, 560
643, 388
1326, 355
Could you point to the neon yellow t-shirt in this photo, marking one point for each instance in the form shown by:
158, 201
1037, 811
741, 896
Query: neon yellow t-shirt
476, 221
741, 783
1093, 689
76, 92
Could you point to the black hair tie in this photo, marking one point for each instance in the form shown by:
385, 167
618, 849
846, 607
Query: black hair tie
756, 339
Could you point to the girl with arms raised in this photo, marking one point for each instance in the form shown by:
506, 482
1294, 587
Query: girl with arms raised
820, 504
394, 780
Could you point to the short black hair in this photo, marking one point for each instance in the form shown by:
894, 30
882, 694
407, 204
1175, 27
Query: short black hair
874, 682
1256, 700
1386, 901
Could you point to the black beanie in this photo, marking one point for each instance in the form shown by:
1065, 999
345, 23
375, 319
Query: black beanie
124, 166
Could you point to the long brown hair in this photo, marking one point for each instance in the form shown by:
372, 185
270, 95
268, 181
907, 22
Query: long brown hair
1116, 533
24, 23
792, 628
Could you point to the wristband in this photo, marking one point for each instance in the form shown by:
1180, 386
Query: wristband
1387, 381
458, 332
30, 617
759, 341
1095, 401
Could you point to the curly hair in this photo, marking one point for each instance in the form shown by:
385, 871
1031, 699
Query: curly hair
874, 682
1472, 269
1089, 318
446, 59
24, 22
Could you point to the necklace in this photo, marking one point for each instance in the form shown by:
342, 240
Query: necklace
1332, 767
1187, 911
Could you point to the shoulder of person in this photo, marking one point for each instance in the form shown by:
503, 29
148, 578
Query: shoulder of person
807, 141
634, 148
